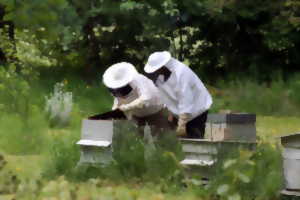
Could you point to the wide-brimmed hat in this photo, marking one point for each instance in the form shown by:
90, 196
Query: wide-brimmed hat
119, 75
157, 60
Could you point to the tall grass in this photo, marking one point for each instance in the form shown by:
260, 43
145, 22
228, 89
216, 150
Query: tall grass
25, 129
276, 98
20, 136
133, 157
24, 123
248, 175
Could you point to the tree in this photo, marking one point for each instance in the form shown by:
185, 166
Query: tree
219, 39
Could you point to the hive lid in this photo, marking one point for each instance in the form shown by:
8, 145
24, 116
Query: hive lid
291, 140
97, 130
197, 162
290, 192
110, 115
290, 135
96, 143
233, 118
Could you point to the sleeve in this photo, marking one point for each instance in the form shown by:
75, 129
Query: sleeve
115, 104
186, 95
140, 85
192, 95
145, 89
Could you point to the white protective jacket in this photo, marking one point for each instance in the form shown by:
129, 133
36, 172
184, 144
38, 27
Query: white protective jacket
143, 100
184, 93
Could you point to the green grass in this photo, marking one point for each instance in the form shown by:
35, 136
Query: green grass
29, 167
43, 157
270, 128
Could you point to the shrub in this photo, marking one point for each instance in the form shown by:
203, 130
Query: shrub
19, 135
249, 175
8, 181
59, 106
138, 157
15, 92
278, 98
62, 156
133, 158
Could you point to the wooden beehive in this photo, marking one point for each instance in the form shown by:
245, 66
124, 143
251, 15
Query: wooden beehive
202, 155
96, 137
224, 133
291, 162
231, 127
96, 140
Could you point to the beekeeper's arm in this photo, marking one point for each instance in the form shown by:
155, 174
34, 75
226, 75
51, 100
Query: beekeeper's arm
142, 101
137, 103
185, 105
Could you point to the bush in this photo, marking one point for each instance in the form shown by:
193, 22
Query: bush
8, 181
133, 158
59, 106
62, 156
144, 158
249, 175
278, 98
19, 135
15, 93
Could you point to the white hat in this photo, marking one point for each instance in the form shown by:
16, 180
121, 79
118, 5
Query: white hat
119, 75
157, 60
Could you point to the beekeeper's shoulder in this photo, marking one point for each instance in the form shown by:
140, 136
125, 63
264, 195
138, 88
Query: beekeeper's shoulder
184, 73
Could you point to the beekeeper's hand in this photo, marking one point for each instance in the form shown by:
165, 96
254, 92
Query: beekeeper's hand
115, 107
138, 103
116, 104
170, 118
181, 131
181, 128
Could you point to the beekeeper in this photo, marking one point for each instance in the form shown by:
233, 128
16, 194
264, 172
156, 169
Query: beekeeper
183, 92
135, 95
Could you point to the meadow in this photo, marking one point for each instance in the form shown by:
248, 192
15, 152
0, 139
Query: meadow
40, 123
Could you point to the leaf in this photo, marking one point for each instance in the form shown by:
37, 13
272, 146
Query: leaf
243, 178
130, 5
222, 189
234, 197
228, 163
196, 182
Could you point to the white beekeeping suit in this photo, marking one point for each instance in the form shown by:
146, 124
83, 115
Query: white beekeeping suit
141, 100
183, 92
144, 99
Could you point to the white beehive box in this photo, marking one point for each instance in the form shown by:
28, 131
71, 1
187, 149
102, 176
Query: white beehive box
202, 155
199, 152
291, 161
231, 127
96, 140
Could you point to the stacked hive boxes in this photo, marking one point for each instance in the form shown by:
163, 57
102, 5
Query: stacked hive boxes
224, 133
96, 140
291, 163
231, 127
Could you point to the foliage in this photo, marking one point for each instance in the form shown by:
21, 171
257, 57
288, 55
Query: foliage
23, 136
243, 175
277, 98
133, 158
8, 181
59, 106
249, 175
155, 173
15, 93
142, 158
219, 39
63, 156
